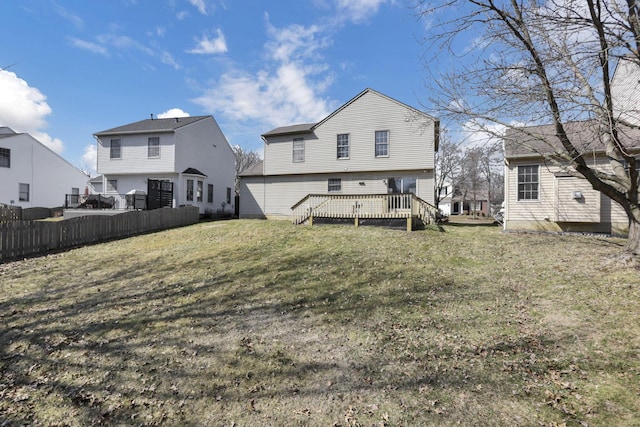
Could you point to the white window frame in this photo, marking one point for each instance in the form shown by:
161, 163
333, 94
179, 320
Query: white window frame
153, 147
528, 190
23, 192
115, 151
189, 190
5, 158
298, 150
381, 142
343, 146
334, 185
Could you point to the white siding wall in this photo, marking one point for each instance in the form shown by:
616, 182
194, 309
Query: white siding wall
49, 176
203, 146
134, 154
625, 89
411, 141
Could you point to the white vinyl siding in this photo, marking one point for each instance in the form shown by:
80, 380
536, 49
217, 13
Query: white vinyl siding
112, 186
135, 156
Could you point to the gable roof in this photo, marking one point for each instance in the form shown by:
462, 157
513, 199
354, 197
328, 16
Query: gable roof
255, 170
309, 127
152, 125
538, 141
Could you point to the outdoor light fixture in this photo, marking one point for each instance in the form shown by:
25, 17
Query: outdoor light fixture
577, 195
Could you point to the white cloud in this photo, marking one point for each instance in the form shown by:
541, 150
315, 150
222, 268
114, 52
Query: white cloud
200, 5
287, 90
172, 113
90, 159
359, 11
64, 13
90, 46
208, 45
24, 108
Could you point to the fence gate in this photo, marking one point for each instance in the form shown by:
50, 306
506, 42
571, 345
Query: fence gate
160, 194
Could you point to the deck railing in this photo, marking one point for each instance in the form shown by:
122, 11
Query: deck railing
381, 206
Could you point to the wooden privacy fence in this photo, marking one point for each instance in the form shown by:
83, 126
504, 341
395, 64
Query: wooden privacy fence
24, 238
10, 213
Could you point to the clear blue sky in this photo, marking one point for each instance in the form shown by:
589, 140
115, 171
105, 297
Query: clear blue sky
71, 68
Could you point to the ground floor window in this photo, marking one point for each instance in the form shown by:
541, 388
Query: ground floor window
528, 182
228, 195
199, 194
335, 184
189, 190
209, 193
402, 185
112, 185
24, 192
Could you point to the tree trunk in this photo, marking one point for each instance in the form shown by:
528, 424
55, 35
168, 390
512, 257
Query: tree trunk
633, 241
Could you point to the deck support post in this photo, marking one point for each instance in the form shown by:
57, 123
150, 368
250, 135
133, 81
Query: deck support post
409, 223
310, 220
357, 221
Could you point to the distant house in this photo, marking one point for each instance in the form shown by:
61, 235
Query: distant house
31, 175
372, 145
543, 192
177, 161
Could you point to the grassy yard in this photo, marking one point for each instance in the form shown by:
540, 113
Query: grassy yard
252, 323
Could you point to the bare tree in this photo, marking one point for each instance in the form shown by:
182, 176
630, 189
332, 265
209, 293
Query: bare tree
544, 62
244, 160
447, 160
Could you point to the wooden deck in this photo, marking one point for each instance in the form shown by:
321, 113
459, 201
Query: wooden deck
364, 206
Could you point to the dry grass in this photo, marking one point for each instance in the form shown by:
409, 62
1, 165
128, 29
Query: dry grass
266, 323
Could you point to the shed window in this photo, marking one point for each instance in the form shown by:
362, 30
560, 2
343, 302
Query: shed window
528, 182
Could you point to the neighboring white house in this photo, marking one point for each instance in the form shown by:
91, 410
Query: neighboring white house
189, 156
545, 193
31, 175
373, 144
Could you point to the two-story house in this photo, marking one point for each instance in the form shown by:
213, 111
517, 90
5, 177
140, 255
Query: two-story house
31, 175
177, 161
373, 144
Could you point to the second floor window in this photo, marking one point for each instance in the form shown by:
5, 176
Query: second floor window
115, 149
343, 146
382, 143
298, 149
5, 158
153, 147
